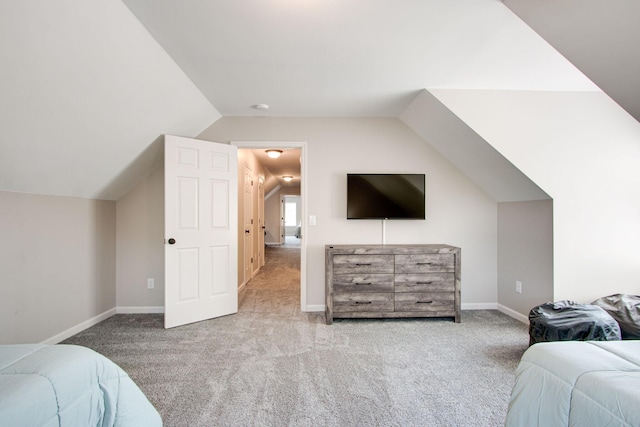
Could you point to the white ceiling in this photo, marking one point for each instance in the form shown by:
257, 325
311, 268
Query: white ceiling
600, 37
287, 164
349, 57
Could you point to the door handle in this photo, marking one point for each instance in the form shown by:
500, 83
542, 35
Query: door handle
172, 241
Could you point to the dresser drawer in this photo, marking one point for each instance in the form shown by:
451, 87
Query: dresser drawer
424, 263
384, 281
349, 264
425, 282
440, 302
362, 301
363, 283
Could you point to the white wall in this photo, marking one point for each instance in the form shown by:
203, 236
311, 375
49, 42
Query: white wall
272, 212
57, 266
85, 91
525, 254
583, 150
140, 246
458, 212
463, 147
290, 230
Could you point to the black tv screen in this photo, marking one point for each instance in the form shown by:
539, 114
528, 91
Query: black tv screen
385, 196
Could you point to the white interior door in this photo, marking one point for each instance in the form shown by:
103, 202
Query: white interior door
261, 226
248, 224
201, 237
281, 220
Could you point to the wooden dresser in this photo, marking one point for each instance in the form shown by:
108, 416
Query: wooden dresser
392, 281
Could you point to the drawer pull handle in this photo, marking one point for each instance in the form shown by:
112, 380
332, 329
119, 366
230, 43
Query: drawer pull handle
360, 264
424, 263
364, 283
363, 302
424, 283
424, 302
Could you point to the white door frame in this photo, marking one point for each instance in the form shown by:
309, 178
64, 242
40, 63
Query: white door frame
302, 146
260, 225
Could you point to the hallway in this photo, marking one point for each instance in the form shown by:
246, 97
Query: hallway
276, 287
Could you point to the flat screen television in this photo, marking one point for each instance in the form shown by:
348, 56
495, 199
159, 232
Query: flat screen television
385, 196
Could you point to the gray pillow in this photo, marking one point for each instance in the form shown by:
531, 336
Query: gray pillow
626, 310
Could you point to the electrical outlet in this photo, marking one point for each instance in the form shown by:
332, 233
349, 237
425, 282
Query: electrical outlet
150, 284
518, 286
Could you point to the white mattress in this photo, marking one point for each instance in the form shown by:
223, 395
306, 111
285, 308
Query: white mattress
577, 383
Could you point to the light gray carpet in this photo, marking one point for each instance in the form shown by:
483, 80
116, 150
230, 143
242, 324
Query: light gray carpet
273, 365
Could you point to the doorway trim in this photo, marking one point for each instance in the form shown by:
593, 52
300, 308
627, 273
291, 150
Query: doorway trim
302, 146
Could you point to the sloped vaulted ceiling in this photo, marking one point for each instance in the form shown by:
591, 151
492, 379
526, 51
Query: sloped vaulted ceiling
601, 38
319, 58
470, 153
84, 93
365, 58
87, 88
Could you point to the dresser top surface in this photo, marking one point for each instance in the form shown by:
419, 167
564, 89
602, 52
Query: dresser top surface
391, 249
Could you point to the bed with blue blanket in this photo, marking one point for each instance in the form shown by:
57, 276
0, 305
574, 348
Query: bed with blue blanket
67, 385
577, 383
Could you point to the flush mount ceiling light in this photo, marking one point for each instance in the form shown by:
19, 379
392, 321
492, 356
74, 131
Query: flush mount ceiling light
261, 107
274, 154
287, 178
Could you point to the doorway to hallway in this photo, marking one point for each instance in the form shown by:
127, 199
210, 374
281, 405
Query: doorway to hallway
299, 243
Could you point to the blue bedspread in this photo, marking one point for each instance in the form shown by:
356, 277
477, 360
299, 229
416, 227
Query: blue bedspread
577, 383
67, 385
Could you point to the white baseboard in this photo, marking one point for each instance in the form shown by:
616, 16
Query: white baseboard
512, 313
307, 309
79, 327
466, 306
140, 310
495, 306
